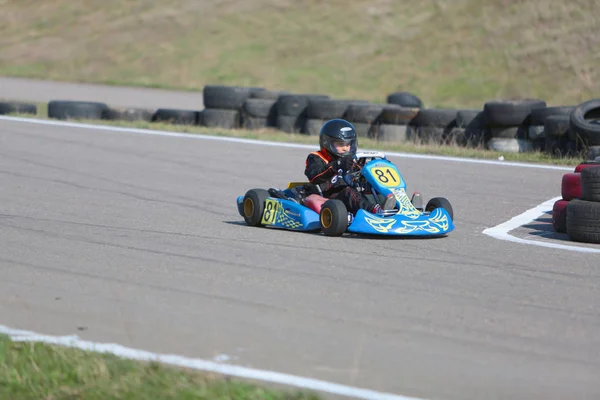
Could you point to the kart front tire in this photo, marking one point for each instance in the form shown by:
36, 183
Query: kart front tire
254, 206
440, 202
333, 218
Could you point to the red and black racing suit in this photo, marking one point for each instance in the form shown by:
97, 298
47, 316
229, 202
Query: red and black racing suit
321, 168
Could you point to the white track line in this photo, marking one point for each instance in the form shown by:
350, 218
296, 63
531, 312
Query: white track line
108, 128
203, 365
501, 231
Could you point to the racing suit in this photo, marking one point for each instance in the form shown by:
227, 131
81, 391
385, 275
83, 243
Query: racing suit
321, 169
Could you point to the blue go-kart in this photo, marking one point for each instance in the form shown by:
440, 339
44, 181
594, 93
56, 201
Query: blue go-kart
301, 207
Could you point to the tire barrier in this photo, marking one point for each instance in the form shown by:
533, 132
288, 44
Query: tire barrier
17, 107
65, 109
578, 212
559, 216
504, 126
571, 186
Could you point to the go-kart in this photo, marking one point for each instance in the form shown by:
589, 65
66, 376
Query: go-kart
302, 207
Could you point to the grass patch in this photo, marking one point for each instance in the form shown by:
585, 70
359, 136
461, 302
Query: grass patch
39, 371
452, 53
364, 143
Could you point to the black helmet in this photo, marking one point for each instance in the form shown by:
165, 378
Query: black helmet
338, 130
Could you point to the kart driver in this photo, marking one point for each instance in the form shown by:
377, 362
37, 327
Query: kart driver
338, 141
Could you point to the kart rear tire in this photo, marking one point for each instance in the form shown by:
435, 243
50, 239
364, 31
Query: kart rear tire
333, 218
440, 202
254, 206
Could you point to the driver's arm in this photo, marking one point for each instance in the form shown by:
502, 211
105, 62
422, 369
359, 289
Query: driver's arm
317, 171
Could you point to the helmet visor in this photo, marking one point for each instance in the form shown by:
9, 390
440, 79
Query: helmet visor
343, 147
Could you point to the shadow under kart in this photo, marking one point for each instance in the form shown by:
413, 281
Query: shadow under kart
377, 177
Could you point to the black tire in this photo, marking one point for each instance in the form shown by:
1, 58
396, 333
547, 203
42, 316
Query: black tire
364, 129
474, 126
313, 126
290, 124
396, 115
557, 126
263, 108
65, 109
255, 123
440, 202
177, 117
17, 108
129, 114
583, 122
405, 99
326, 108
441, 118
333, 218
220, 118
590, 184
254, 206
291, 105
363, 113
268, 94
539, 115
510, 112
466, 117
392, 133
426, 135
226, 97
583, 221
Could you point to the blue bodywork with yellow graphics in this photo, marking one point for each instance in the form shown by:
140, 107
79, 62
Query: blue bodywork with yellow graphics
377, 177
287, 214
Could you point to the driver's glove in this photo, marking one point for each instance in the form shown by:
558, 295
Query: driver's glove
345, 163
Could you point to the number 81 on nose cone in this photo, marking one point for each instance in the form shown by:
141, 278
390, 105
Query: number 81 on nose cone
386, 176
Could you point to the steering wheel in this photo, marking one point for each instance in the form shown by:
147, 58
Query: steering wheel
353, 178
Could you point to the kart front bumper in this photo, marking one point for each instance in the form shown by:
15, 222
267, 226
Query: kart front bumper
436, 223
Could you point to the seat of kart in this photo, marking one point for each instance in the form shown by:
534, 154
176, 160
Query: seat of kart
315, 202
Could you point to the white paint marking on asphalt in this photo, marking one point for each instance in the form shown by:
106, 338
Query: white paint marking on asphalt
203, 365
501, 231
108, 128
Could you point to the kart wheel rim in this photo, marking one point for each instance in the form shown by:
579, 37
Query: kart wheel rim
248, 207
326, 218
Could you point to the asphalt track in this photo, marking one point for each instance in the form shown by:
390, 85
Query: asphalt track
135, 239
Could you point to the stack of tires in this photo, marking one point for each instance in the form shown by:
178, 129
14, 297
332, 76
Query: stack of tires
507, 123
259, 111
223, 105
320, 110
291, 111
583, 213
433, 126
570, 190
549, 129
393, 122
364, 117
470, 130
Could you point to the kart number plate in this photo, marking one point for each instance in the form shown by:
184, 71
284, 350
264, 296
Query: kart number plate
270, 214
386, 176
